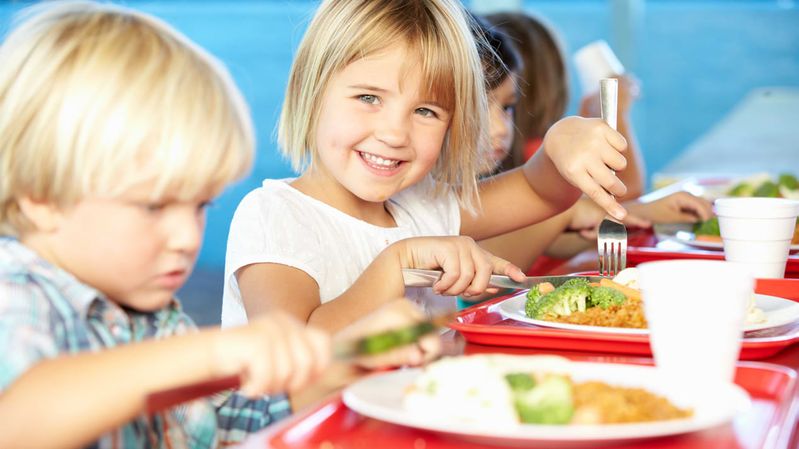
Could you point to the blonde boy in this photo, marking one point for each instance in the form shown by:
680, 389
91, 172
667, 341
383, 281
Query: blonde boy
115, 133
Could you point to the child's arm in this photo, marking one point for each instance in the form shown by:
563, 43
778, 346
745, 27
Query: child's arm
577, 152
466, 267
77, 398
523, 246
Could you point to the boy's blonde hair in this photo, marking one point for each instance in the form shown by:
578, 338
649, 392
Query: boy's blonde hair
438, 31
96, 98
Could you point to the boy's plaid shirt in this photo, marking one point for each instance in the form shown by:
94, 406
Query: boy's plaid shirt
46, 312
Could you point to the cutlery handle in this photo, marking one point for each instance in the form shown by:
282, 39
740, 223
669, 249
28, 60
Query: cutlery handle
608, 100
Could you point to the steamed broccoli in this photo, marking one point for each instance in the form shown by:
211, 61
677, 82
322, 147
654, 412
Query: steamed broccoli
768, 189
788, 181
707, 227
520, 381
569, 297
548, 402
533, 296
605, 297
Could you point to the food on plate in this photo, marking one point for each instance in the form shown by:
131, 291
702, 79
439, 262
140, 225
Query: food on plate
762, 185
504, 390
610, 303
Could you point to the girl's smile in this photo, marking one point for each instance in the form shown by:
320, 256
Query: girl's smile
378, 132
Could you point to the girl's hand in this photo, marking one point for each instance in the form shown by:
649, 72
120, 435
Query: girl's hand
395, 314
467, 267
587, 152
274, 353
679, 207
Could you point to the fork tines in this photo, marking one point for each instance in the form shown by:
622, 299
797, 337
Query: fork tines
611, 247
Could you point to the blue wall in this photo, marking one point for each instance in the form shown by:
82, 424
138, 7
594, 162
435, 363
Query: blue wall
695, 60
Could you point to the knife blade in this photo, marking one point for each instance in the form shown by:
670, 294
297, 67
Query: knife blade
414, 277
343, 351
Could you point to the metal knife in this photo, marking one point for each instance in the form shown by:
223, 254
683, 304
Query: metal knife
426, 278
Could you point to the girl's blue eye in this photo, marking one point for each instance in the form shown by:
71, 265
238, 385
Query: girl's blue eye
425, 112
369, 99
509, 108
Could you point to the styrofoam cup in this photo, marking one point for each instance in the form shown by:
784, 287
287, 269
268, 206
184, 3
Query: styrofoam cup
594, 62
757, 232
696, 311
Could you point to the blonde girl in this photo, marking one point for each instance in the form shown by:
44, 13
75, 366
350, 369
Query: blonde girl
385, 117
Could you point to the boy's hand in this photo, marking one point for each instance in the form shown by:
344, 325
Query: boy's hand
273, 353
467, 267
396, 314
587, 152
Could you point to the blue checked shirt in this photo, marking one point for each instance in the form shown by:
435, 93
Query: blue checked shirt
45, 312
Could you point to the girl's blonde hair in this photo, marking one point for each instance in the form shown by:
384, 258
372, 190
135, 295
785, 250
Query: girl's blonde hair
96, 98
544, 81
438, 31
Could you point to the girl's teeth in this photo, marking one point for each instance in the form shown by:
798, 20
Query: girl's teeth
379, 161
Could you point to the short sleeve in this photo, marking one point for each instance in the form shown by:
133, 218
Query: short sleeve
268, 227
25, 334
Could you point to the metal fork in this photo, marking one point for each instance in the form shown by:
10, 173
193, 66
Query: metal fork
612, 236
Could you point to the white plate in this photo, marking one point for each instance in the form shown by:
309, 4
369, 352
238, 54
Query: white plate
778, 312
683, 233
380, 397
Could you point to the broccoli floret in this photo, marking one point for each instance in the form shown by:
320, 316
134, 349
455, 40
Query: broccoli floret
768, 190
569, 297
788, 181
605, 297
548, 402
520, 381
533, 296
707, 227
576, 282
742, 189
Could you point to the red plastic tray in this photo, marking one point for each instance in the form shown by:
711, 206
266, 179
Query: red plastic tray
766, 425
483, 324
643, 246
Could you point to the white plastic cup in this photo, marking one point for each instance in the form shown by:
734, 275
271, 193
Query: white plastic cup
696, 311
757, 232
594, 62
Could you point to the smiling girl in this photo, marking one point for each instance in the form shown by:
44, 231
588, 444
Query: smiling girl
385, 116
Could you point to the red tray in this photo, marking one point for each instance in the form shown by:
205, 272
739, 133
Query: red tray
483, 324
643, 246
766, 425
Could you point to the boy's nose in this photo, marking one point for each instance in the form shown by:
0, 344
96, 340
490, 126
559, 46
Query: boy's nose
185, 234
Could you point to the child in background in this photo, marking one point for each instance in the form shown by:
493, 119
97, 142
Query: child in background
115, 133
385, 115
524, 246
544, 84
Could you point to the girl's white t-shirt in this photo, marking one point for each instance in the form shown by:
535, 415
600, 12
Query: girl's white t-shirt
277, 223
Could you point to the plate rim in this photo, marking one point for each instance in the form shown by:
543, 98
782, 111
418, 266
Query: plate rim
678, 231
548, 433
